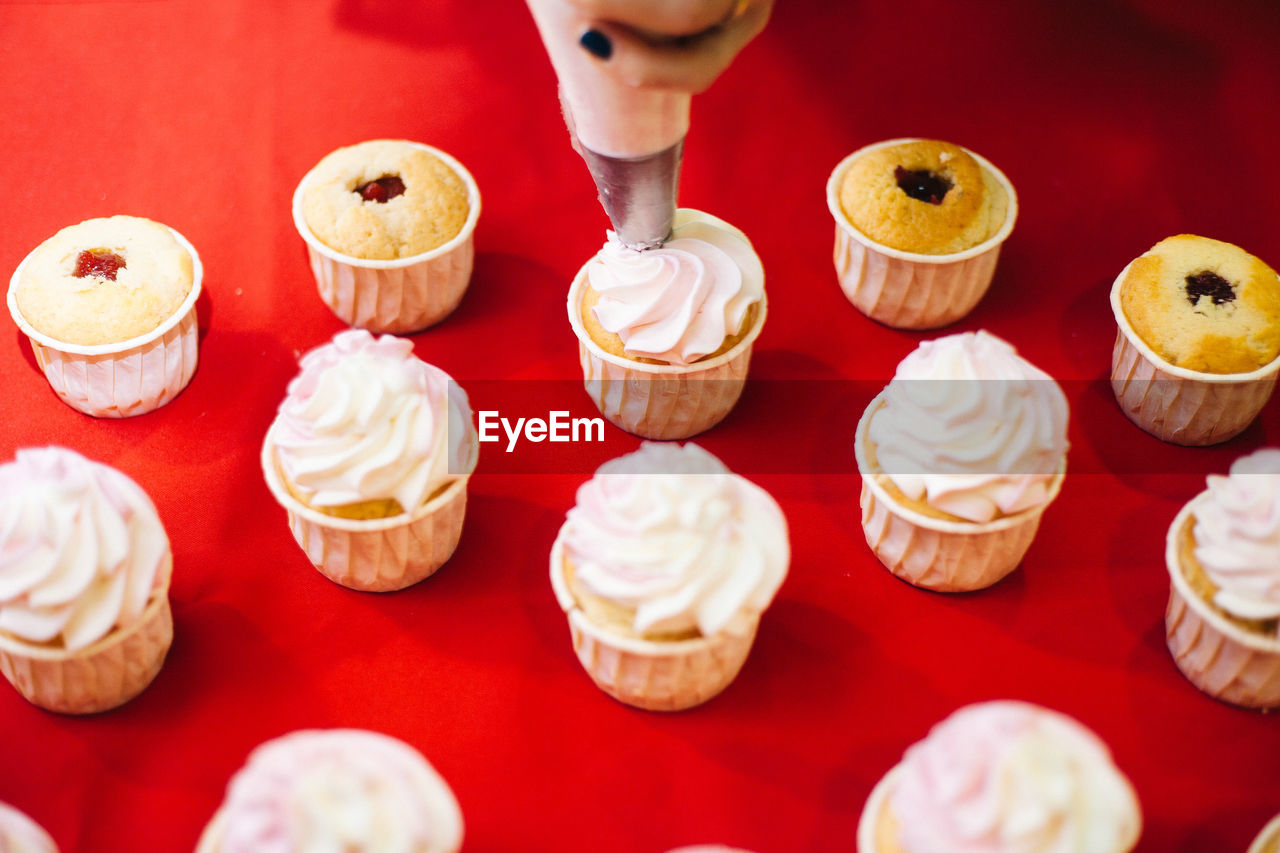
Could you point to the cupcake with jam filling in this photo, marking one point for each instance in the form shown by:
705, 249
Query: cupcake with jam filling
388, 226
919, 224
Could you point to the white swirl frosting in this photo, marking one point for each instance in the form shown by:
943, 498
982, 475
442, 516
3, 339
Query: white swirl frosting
339, 791
669, 532
1010, 777
679, 302
21, 834
366, 419
1237, 536
81, 549
971, 427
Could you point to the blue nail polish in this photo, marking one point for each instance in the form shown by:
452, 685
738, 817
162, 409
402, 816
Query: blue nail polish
597, 44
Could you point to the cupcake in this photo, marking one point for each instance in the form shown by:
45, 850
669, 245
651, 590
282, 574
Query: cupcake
919, 224
84, 607
663, 568
1195, 357
388, 226
960, 455
1223, 556
109, 308
337, 789
21, 834
1268, 841
1003, 777
665, 335
370, 454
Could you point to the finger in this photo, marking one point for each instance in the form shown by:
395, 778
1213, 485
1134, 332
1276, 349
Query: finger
662, 17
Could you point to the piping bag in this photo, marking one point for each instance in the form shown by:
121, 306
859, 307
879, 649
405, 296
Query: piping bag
631, 138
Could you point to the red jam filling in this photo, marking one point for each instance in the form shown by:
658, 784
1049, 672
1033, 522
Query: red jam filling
104, 264
1209, 284
382, 190
921, 184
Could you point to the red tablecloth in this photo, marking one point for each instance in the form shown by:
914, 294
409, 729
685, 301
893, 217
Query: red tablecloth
1119, 123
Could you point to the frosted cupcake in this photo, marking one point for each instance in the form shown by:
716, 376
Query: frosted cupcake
388, 226
665, 335
1268, 841
663, 567
960, 455
1223, 556
109, 308
338, 789
1003, 777
84, 609
370, 453
919, 224
1198, 343
21, 834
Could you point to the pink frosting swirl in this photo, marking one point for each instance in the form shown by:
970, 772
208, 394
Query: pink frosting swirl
1010, 777
681, 301
21, 834
81, 549
341, 789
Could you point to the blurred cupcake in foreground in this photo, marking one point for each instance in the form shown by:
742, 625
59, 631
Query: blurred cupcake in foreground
370, 453
315, 791
1196, 353
109, 307
84, 608
1003, 777
664, 566
1268, 841
960, 455
21, 834
919, 224
389, 230
1223, 557
665, 335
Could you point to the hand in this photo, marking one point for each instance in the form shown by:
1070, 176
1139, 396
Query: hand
670, 44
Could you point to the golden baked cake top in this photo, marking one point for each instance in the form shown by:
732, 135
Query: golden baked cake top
384, 199
1204, 305
104, 281
923, 196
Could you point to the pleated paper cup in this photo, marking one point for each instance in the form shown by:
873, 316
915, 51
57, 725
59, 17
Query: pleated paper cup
401, 295
101, 676
379, 554
653, 676
1223, 659
1268, 841
910, 290
873, 811
123, 379
661, 401
1178, 405
935, 553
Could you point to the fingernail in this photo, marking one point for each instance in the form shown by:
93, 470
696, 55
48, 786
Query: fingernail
597, 44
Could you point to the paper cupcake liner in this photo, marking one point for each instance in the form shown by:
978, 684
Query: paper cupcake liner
211, 838
939, 554
661, 401
1177, 405
402, 295
123, 379
1224, 660
1268, 841
653, 676
869, 821
909, 290
99, 677
374, 555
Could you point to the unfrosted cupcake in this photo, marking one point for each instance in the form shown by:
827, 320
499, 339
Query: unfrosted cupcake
109, 307
919, 223
960, 455
315, 791
21, 834
370, 453
663, 567
1223, 556
665, 334
388, 225
1003, 777
84, 611
1196, 354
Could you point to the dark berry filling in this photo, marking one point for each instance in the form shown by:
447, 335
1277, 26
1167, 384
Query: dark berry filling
104, 264
1209, 284
382, 190
921, 184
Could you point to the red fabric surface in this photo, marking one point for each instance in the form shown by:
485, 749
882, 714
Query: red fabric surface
1119, 123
